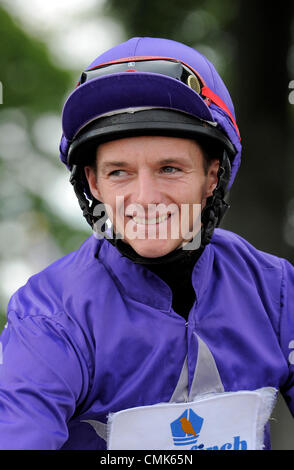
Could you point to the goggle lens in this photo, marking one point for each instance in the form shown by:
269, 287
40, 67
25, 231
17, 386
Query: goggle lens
168, 68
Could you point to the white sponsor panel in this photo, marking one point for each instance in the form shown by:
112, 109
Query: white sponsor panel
224, 421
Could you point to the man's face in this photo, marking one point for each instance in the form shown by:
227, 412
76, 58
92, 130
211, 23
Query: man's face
152, 186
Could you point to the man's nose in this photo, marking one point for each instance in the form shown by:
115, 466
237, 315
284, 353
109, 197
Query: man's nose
147, 190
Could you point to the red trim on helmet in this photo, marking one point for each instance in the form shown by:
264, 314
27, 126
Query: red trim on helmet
208, 93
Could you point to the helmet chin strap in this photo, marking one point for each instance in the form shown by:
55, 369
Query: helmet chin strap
211, 217
216, 206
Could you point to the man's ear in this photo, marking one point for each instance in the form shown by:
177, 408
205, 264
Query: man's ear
212, 180
92, 182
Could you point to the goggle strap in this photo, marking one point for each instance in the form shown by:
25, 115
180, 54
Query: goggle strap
142, 58
208, 93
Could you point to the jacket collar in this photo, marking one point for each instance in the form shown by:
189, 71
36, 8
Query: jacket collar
140, 284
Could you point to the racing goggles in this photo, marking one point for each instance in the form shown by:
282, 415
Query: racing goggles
165, 66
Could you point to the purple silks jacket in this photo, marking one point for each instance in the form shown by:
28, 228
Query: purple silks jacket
94, 333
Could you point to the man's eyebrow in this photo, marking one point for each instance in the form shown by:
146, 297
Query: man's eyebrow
169, 160
123, 164
115, 163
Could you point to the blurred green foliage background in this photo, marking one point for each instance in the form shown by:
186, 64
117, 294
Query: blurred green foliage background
43, 49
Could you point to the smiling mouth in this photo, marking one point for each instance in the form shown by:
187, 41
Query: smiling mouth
151, 221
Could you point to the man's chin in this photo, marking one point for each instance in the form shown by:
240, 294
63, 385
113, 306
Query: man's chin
154, 248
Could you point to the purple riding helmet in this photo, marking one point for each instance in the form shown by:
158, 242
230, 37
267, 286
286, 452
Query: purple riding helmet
151, 86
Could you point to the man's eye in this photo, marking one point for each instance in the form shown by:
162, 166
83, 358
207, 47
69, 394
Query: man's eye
170, 169
117, 173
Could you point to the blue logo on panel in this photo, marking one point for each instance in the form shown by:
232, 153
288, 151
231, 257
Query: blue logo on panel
186, 429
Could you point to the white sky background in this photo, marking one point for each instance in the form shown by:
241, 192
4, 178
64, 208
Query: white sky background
75, 34
74, 30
